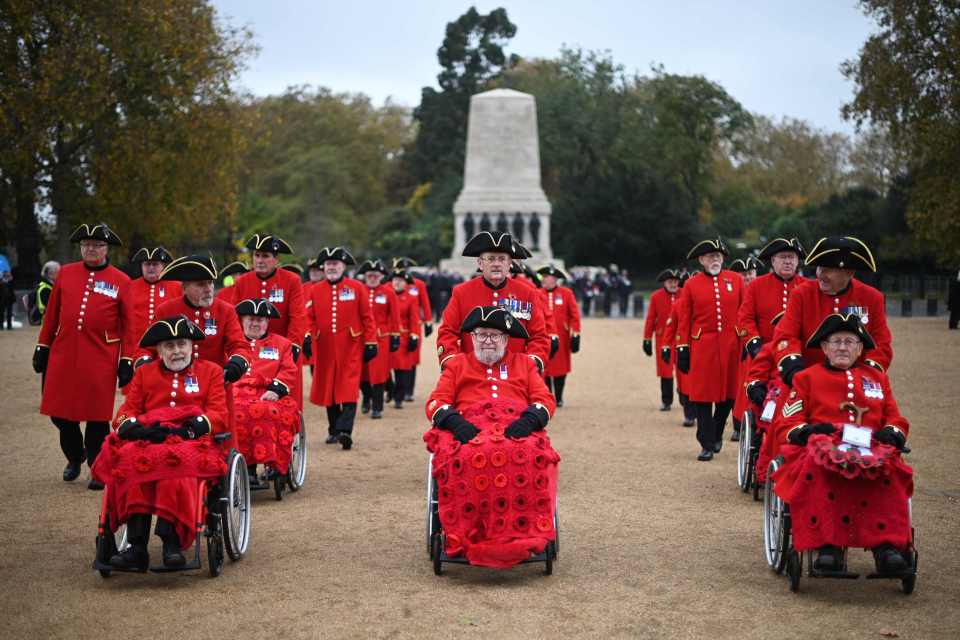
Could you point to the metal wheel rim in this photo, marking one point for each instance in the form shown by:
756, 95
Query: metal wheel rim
237, 515
298, 458
430, 501
743, 452
772, 520
120, 538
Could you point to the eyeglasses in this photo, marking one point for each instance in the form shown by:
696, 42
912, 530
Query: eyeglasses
92, 244
496, 259
487, 337
845, 342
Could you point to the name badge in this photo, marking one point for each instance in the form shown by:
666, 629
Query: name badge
503, 372
347, 294
380, 299
276, 295
162, 292
269, 353
209, 327
768, 410
413, 291
105, 288
872, 389
857, 436
191, 384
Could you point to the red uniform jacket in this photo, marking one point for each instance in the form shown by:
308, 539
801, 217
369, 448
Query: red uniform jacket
566, 317
763, 299
409, 317
511, 295
670, 340
147, 298
385, 307
226, 294
421, 297
341, 324
706, 322
155, 387
466, 381
223, 336
658, 314
807, 308
272, 361
285, 291
89, 325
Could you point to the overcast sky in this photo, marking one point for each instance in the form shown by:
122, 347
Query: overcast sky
777, 57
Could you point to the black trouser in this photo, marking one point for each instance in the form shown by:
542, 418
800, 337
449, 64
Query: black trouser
138, 530
710, 422
955, 317
340, 418
411, 382
73, 442
402, 384
666, 391
366, 391
555, 384
7, 301
688, 411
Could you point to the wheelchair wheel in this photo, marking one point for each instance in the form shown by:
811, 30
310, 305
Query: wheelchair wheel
743, 453
279, 482
235, 509
297, 471
754, 455
550, 555
776, 523
794, 569
432, 508
436, 553
215, 554
556, 530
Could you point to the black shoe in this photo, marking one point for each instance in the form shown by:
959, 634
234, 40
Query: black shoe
365, 406
664, 407
559, 403
331, 439
376, 415
345, 441
735, 436
398, 404
72, 471
829, 558
705, 456
93, 485
889, 559
717, 446
172, 557
687, 422
135, 558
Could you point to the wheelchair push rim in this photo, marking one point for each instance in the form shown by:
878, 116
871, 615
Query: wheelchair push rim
776, 526
297, 471
743, 452
235, 507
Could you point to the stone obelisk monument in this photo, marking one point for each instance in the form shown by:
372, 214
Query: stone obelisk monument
501, 181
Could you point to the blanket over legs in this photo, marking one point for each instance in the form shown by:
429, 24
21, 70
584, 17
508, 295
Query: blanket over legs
264, 430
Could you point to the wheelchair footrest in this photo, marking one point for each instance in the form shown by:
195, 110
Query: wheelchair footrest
161, 568
837, 575
101, 566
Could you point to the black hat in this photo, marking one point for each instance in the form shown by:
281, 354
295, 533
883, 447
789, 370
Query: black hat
707, 246
190, 268
520, 251
515, 267
376, 265
97, 231
400, 273
550, 270
403, 263
261, 308
293, 267
738, 266
841, 252
157, 254
494, 318
835, 323
667, 274
172, 328
335, 253
234, 269
781, 244
496, 241
273, 244
753, 263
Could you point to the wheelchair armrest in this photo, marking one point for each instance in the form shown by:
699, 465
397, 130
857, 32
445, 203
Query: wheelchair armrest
220, 437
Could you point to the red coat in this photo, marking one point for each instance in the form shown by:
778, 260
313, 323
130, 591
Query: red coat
807, 308
511, 295
670, 340
271, 359
89, 325
566, 317
223, 336
418, 291
706, 322
147, 298
408, 313
341, 324
385, 307
658, 314
156, 387
285, 291
763, 299
226, 294
465, 381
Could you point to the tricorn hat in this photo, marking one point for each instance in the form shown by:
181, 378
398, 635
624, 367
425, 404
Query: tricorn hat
335, 253
841, 252
234, 269
273, 244
836, 322
156, 254
520, 251
190, 268
753, 263
376, 265
667, 274
404, 262
738, 266
400, 273
261, 308
97, 231
551, 270
495, 241
494, 318
172, 328
781, 244
707, 246
293, 267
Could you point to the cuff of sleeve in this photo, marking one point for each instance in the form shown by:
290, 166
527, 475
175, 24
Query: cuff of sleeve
789, 356
799, 426
278, 388
442, 409
895, 428
876, 365
447, 358
538, 361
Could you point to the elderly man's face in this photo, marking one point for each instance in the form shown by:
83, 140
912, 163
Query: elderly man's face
842, 349
333, 269
254, 326
264, 263
93, 252
711, 262
489, 345
175, 354
399, 284
151, 270
315, 274
785, 263
199, 292
832, 280
749, 276
549, 282
671, 284
373, 279
494, 266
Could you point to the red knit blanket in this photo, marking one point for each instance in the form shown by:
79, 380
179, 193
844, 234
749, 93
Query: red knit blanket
264, 431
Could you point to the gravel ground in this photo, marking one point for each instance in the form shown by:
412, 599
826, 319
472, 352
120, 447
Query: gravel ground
655, 544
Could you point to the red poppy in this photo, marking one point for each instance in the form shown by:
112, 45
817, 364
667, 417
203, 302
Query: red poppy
520, 502
481, 483
468, 509
543, 504
498, 431
493, 416
483, 506
259, 452
498, 458
173, 440
461, 487
441, 475
500, 481
240, 416
286, 439
541, 482
204, 463
479, 461
499, 524
143, 464
454, 447
519, 455
445, 494
456, 465
501, 504
836, 456
257, 431
850, 471
521, 523
286, 420
520, 480
256, 410
448, 516
454, 545
510, 410
143, 444
274, 412
544, 524
540, 461
478, 440
171, 459
853, 456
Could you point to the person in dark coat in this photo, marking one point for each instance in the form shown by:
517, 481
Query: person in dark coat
953, 302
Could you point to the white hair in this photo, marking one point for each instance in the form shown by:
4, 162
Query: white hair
48, 267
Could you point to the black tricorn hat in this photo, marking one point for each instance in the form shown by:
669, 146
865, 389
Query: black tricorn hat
753, 263
376, 265
841, 252
551, 270
293, 267
97, 231
520, 251
781, 244
516, 268
234, 269
157, 254
667, 274
707, 246
261, 308
312, 264
494, 318
172, 328
335, 253
190, 268
400, 273
495, 241
404, 262
836, 322
738, 266
273, 244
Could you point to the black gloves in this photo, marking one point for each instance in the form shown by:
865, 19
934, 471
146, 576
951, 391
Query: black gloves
800, 435
394, 343
40, 356
308, 346
554, 345
413, 342
790, 366
753, 347
534, 418
575, 343
665, 355
295, 350
124, 372
449, 419
142, 360
892, 437
192, 428
648, 347
277, 388
683, 359
133, 430
757, 392
369, 352
235, 367
427, 329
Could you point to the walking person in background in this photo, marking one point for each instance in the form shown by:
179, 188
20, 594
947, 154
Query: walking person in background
36, 301
7, 296
953, 301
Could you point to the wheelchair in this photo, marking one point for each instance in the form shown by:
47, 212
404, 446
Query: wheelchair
783, 558
296, 471
751, 439
222, 520
436, 542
